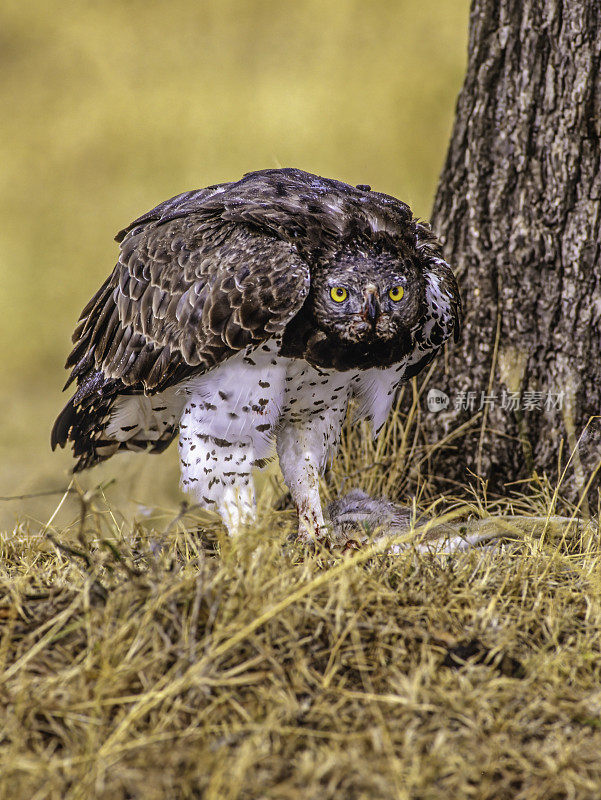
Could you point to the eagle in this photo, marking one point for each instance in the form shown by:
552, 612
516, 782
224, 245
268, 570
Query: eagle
251, 313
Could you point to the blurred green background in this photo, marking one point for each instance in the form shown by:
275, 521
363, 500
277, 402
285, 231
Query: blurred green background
108, 108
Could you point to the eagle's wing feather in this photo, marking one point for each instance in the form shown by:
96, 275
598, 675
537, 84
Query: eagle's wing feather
185, 294
436, 267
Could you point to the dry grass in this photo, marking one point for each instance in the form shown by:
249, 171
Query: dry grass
163, 660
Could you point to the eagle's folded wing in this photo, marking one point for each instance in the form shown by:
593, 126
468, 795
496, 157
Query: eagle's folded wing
185, 294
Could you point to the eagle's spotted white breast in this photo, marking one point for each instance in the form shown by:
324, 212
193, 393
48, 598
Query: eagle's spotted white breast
247, 315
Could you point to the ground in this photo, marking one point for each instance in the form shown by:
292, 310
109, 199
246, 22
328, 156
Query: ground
162, 660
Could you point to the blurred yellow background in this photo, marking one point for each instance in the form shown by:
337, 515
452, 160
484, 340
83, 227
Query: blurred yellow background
108, 108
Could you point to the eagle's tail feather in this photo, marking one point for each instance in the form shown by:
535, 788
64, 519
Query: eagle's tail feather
94, 421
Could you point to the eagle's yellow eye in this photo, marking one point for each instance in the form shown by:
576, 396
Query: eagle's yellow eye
338, 293
396, 293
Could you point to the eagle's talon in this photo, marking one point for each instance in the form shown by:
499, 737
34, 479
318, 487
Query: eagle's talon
315, 533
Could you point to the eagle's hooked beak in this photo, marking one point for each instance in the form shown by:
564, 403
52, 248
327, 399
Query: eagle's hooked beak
371, 309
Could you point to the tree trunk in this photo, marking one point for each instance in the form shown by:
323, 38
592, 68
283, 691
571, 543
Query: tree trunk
518, 212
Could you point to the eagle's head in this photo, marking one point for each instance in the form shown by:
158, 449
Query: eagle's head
362, 308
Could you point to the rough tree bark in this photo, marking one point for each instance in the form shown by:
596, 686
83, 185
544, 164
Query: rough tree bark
518, 212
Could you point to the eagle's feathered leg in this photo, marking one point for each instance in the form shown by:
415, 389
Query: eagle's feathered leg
219, 474
303, 449
237, 507
226, 430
